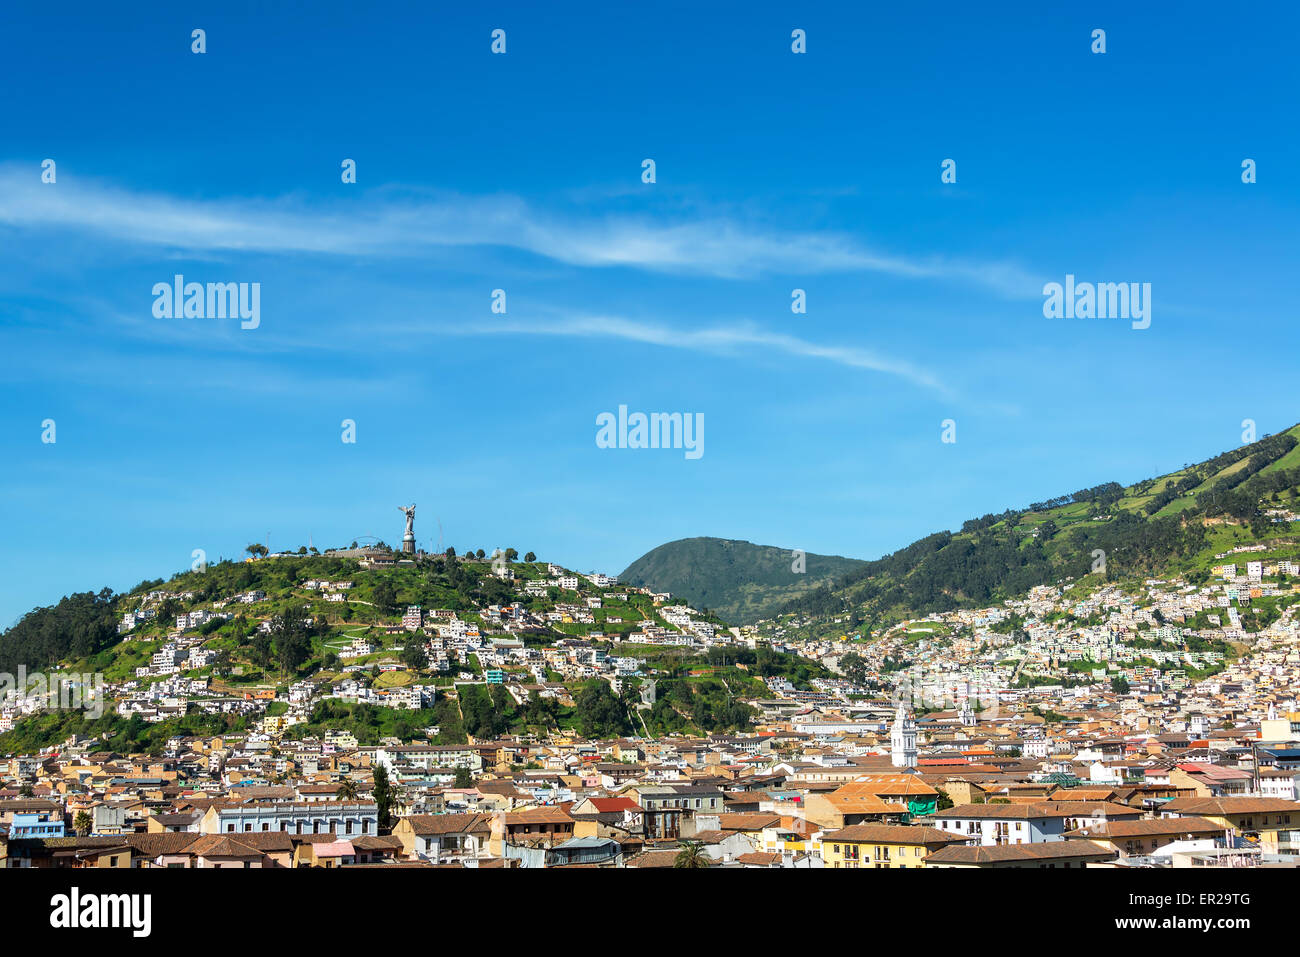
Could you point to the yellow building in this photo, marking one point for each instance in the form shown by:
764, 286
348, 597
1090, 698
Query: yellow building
884, 845
1270, 821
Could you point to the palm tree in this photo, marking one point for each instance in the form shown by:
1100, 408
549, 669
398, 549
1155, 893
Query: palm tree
692, 855
82, 824
347, 790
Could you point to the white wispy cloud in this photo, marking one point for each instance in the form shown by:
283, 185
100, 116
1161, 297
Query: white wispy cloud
389, 224
718, 339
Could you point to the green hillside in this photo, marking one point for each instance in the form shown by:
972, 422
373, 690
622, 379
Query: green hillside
740, 581
1172, 523
288, 632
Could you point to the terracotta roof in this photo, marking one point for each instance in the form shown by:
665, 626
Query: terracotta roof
712, 837
1038, 809
748, 822
1229, 805
425, 825
538, 815
654, 859
377, 842
220, 845
759, 858
891, 834
1028, 853
170, 842
1157, 827
614, 804
864, 804
266, 840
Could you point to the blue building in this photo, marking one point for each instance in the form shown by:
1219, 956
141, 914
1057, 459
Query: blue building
32, 824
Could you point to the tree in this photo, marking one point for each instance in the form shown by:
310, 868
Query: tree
464, 779
540, 711
481, 554
511, 555
414, 657
347, 790
385, 597
1119, 684
691, 855
450, 552
530, 557
292, 644
82, 824
599, 711
943, 802
854, 668
384, 798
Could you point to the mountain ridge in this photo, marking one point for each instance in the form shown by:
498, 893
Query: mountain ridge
739, 580
1107, 531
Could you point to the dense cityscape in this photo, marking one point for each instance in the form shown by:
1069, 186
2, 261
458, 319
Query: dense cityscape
579, 720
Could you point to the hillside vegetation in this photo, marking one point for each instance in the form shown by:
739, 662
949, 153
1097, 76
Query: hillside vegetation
740, 581
1173, 523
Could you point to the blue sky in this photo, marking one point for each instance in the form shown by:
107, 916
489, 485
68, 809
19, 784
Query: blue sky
523, 172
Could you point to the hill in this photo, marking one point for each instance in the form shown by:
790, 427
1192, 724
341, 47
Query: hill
1172, 523
740, 581
302, 645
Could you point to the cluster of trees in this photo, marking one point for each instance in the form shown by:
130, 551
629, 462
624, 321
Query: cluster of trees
764, 663
1242, 500
78, 626
488, 711
1010, 516
705, 706
854, 667
599, 712
511, 554
369, 722
941, 571
132, 734
1218, 499
1107, 493
287, 646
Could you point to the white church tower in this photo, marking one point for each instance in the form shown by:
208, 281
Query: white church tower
902, 739
967, 714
